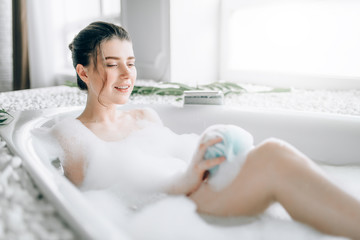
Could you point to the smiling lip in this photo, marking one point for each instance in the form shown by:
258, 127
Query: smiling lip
123, 88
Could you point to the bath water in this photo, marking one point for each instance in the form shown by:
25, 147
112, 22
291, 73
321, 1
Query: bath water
124, 181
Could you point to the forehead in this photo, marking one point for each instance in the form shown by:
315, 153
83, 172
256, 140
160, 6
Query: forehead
117, 48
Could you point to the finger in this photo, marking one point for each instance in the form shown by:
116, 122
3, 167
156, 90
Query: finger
210, 163
205, 145
213, 141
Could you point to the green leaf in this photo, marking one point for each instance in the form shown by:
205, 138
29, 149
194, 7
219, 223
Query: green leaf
233, 92
144, 90
70, 84
276, 90
234, 86
4, 116
169, 91
3, 112
179, 88
211, 87
3, 120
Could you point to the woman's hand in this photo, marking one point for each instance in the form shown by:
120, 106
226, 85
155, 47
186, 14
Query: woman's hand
198, 169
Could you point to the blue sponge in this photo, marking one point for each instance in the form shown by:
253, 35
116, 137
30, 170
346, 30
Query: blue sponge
236, 142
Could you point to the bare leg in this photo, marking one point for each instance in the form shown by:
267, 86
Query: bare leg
275, 171
309, 197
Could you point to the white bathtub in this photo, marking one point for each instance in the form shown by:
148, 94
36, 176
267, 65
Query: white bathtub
326, 138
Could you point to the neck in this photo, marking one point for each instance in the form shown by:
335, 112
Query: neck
97, 112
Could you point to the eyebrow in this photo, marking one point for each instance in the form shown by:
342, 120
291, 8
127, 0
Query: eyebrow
117, 58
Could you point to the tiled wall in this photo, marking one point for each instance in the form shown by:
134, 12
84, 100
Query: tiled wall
5, 46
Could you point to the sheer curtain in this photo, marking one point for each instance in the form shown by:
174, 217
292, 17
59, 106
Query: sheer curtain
41, 42
52, 26
6, 52
20, 46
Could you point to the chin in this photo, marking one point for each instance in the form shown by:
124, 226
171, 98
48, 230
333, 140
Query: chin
122, 101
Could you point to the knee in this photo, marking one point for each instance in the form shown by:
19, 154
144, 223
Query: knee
275, 154
271, 144
271, 148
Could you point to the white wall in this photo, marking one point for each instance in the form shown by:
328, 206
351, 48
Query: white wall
148, 25
174, 40
194, 41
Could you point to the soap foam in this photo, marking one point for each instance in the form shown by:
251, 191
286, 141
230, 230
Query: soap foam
124, 180
142, 161
175, 218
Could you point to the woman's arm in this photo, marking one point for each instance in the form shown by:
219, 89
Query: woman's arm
189, 181
74, 170
71, 153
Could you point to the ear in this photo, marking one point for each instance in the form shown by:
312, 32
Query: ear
82, 72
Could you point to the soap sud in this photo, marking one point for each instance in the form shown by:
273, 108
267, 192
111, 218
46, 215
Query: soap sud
175, 217
330, 101
170, 217
139, 167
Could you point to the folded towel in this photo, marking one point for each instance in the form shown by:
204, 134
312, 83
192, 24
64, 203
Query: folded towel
235, 146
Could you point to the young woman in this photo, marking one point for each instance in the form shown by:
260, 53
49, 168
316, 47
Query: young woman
273, 170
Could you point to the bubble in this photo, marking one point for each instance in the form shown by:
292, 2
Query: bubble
124, 180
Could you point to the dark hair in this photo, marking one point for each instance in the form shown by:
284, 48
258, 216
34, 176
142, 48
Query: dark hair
87, 42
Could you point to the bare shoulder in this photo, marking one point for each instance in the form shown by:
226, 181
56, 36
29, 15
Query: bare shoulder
63, 130
70, 141
148, 114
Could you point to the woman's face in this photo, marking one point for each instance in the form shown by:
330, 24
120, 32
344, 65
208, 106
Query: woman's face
112, 81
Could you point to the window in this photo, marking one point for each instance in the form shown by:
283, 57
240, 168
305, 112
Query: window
301, 43
71, 16
52, 25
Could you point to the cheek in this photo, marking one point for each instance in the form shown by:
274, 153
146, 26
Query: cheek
111, 74
134, 73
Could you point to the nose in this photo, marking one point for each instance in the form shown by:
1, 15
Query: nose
125, 71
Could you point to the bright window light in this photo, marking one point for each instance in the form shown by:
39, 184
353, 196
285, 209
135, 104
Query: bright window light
69, 19
293, 38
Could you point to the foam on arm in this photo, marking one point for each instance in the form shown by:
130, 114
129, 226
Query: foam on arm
152, 116
71, 158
